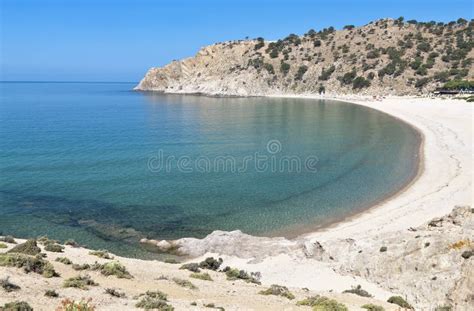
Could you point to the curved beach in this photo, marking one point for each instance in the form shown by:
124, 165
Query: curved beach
445, 178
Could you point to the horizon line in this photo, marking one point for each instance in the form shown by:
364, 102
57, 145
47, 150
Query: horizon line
41, 81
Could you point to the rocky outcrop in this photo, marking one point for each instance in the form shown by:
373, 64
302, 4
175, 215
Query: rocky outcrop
233, 243
426, 265
388, 57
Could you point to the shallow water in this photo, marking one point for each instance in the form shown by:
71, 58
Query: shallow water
99, 163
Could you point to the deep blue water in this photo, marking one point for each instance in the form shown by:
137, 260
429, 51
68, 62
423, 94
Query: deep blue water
82, 161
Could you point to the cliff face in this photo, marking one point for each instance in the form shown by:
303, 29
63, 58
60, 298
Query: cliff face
389, 57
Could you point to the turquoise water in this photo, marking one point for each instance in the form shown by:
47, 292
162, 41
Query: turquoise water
82, 161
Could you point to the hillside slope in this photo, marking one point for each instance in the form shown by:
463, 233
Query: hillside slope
385, 57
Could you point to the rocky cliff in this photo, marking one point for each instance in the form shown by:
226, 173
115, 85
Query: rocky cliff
385, 57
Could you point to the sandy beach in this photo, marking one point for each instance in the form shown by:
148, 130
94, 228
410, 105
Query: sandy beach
445, 179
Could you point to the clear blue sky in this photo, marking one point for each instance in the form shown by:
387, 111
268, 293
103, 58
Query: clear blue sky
118, 40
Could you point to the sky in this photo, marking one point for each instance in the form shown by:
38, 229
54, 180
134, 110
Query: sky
118, 40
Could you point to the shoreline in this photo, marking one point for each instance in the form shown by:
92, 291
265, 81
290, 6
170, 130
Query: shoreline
297, 232
348, 224
394, 206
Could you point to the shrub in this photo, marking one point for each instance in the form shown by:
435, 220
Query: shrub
422, 71
115, 293
80, 281
78, 267
30, 247
8, 286
192, 266
256, 63
54, 248
28, 263
458, 85
441, 76
348, 77
64, 260
101, 254
466, 62
8, 239
201, 276
326, 73
115, 268
284, 68
235, 274
301, 71
273, 53
400, 302
184, 283
17, 306
149, 303
51, 293
71, 305
260, 44
210, 263
3, 245
71, 242
316, 43
360, 82
421, 82
154, 300
156, 294
416, 63
269, 68
423, 46
443, 308
44, 240
373, 54
349, 27
372, 307
358, 291
321, 303
383, 249
278, 290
